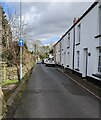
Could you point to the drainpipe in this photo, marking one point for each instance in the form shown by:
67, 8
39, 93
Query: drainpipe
60, 52
99, 22
73, 44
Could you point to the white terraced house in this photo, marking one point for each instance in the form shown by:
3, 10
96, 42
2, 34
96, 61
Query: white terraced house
79, 49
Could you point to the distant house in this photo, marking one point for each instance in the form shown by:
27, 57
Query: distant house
79, 49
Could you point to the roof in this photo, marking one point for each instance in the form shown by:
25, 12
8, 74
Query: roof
87, 11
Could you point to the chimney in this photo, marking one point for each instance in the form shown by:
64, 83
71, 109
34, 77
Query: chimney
78, 18
74, 21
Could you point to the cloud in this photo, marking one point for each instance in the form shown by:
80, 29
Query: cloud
48, 20
53, 19
27, 1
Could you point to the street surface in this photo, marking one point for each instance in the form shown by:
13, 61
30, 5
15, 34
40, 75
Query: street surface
50, 94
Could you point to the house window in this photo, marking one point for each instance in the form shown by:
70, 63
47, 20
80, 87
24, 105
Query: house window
78, 33
68, 40
100, 5
99, 62
78, 58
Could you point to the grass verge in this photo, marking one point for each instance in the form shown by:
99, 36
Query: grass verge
9, 82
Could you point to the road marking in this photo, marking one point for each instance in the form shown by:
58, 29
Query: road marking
80, 85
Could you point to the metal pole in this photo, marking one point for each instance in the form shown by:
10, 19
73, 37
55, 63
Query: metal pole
20, 38
20, 63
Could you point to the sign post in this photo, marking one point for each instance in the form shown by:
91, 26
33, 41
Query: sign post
21, 44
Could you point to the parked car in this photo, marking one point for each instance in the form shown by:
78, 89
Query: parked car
39, 62
45, 60
50, 62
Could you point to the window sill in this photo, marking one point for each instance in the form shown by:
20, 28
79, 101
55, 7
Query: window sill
77, 44
76, 69
97, 36
97, 75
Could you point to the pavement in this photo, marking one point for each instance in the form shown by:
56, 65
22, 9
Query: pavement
90, 87
9, 87
51, 94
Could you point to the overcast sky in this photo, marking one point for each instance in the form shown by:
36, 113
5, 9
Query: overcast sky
48, 21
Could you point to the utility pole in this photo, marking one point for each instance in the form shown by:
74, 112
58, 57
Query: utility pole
20, 38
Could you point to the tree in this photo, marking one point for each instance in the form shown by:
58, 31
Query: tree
11, 54
40, 50
36, 46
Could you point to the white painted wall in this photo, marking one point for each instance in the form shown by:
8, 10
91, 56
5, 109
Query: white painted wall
57, 53
89, 29
62, 52
65, 51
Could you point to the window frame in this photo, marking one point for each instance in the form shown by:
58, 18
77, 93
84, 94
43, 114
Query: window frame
78, 34
68, 42
78, 60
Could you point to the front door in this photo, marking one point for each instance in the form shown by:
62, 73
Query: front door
85, 65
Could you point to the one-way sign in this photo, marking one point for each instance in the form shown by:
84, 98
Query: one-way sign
21, 42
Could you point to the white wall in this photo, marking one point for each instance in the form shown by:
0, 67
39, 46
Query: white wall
62, 52
58, 53
89, 29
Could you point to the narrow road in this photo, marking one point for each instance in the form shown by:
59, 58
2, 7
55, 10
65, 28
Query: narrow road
50, 94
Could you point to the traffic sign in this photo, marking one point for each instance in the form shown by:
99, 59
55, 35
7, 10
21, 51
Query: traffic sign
21, 42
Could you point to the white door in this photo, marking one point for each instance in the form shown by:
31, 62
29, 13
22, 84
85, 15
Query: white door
85, 61
64, 59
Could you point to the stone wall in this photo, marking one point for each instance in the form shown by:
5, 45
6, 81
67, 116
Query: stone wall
11, 72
